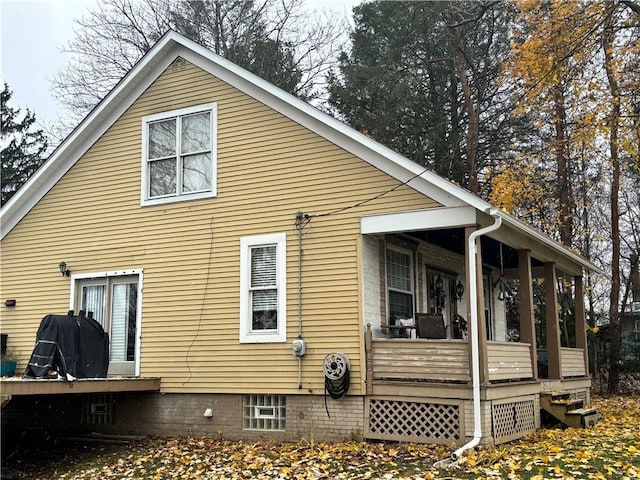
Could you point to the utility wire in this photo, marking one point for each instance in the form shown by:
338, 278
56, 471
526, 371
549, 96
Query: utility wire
202, 306
510, 106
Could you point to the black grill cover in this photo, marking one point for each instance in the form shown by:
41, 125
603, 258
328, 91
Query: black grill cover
69, 346
93, 349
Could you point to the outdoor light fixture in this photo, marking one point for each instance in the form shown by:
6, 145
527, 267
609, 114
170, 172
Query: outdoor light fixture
459, 290
63, 269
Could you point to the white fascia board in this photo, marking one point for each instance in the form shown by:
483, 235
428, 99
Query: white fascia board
429, 219
362, 146
149, 68
539, 237
92, 127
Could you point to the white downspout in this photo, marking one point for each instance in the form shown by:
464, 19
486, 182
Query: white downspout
475, 350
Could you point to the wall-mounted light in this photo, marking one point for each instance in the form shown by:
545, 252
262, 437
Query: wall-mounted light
64, 270
10, 303
459, 290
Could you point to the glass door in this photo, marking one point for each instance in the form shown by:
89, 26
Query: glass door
114, 303
122, 336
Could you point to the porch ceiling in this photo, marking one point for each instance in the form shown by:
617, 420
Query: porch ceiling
514, 234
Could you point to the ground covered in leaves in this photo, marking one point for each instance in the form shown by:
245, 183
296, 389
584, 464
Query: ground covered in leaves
610, 450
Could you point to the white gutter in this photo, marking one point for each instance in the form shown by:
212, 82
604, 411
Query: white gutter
475, 351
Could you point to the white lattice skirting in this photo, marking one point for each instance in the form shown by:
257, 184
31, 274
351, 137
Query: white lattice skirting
413, 421
513, 420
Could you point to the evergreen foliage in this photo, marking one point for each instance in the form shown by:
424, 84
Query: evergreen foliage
403, 83
23, 146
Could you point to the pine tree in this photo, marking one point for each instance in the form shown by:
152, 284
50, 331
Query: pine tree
423, 79
23, 146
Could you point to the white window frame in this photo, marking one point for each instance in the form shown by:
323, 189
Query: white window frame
145, 200
412, 291
247, 335
74, 290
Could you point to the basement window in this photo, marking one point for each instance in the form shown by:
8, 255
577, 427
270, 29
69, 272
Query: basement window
264, 412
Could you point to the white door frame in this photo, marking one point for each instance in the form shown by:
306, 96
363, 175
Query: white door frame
115, 273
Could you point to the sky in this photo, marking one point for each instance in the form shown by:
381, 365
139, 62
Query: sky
33, 33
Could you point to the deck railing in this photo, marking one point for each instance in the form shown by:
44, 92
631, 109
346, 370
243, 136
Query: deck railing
430, 360
426, 360
420, 359
572, 362
509, 361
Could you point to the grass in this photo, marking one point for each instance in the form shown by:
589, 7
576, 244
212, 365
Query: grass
609, 450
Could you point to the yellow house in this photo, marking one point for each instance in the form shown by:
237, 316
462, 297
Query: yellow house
263, 270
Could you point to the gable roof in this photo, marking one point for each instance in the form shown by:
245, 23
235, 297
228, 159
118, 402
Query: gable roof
173, 45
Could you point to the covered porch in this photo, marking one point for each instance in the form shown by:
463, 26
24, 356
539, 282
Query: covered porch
425, 266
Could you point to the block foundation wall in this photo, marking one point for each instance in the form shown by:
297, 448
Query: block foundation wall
183, 414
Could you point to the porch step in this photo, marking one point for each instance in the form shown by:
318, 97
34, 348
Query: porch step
585, 417
569, 410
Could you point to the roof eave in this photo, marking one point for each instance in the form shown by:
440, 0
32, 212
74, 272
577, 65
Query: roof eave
88, 131
172, 45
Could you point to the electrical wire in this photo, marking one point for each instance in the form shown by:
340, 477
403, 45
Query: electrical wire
358, 204
202, 306
500, 112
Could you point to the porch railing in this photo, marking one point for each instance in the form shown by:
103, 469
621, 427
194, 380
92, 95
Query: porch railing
509, 361
573, 362
420, 359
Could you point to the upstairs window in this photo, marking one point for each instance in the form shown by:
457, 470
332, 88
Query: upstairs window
179, 155
262, 288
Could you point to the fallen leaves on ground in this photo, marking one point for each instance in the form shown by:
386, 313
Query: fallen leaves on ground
609, 450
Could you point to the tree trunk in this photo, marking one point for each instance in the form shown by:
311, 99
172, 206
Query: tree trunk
614, 297
472, 113
562, 160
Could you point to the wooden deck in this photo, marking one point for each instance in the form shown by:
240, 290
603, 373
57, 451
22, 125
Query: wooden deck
14, 386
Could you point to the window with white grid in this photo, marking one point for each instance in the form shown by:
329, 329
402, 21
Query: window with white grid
179, 155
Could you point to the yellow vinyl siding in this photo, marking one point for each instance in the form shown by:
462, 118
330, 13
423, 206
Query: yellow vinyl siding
269, 168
